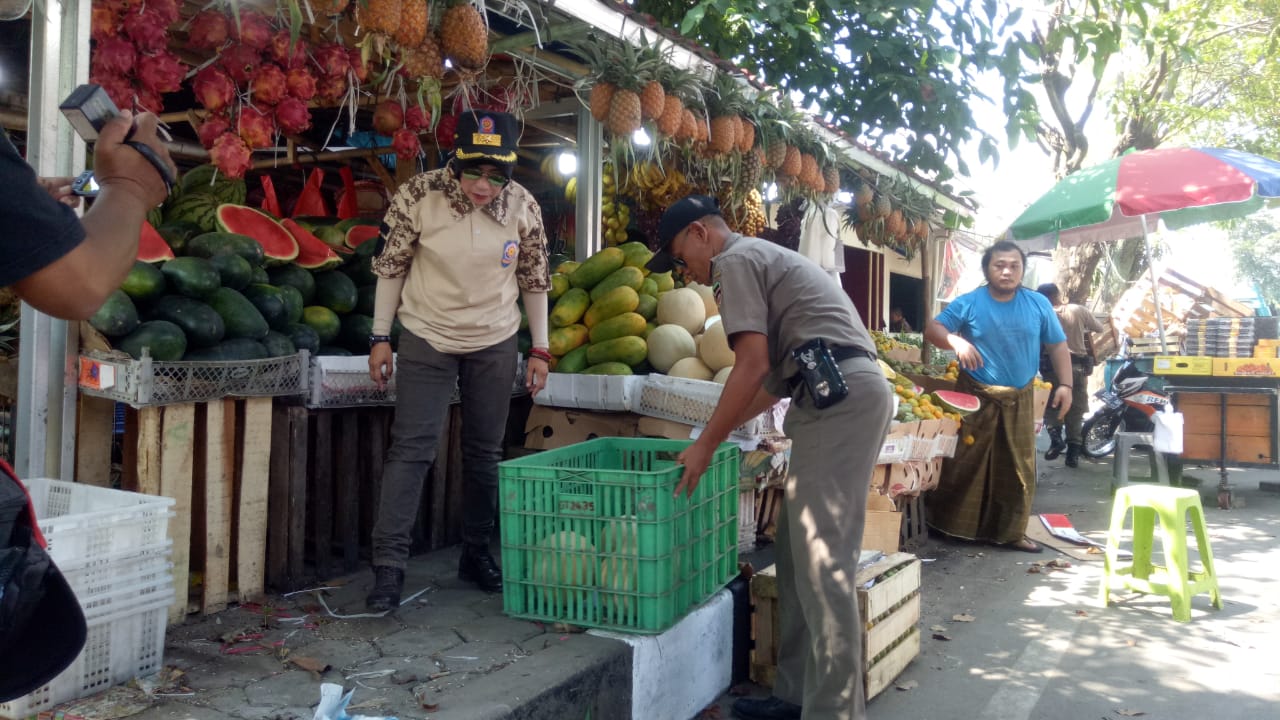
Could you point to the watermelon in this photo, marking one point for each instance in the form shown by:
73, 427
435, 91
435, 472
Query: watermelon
199, 209
331, 236
278, 245
206, 180
151, 245
313, 253
957, 402
360, 234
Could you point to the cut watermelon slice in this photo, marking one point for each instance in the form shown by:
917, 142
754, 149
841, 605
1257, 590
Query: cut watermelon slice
313, 253
958, 402
151, 245
357, 235
278, 244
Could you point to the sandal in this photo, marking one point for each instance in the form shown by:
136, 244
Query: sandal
1026, 545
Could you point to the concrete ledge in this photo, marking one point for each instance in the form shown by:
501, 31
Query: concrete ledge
676, 674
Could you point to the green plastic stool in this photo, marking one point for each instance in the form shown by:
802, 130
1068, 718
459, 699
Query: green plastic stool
1178, 582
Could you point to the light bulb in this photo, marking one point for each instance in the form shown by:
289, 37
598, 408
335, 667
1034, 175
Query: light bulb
567, 163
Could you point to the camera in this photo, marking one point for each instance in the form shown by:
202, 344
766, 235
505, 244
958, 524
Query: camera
85, 185
88, 108
820, 373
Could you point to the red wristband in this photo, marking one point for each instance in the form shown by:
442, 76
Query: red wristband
541, 354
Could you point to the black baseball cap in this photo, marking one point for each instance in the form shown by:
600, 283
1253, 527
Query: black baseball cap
42, 627
682, 212
484, 137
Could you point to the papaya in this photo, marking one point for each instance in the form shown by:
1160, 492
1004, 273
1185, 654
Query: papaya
597, 268
628, 323
638, 254
608, 368
624, 276
648, 306
567, 267
574, 361
629, 350
562, 340
559, 285
619, 300
649, 287
664, 281
569, 308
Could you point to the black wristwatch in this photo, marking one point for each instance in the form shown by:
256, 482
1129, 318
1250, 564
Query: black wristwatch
375, 339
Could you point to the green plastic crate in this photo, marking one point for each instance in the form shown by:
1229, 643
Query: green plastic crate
593, 536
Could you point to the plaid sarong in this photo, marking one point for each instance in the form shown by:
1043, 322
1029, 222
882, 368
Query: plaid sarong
986, 490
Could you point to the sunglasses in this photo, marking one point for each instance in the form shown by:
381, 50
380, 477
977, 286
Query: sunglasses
498, 181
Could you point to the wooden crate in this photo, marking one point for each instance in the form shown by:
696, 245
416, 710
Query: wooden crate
212, 459
1250, 434
890, 612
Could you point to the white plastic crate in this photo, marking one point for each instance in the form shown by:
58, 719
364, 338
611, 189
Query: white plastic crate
147, 382
692, 402
84, 524
591, 392
121, 644
343, 381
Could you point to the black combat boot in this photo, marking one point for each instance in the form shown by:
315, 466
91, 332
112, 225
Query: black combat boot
388, 583
1056, 444
1073, 454
478, 566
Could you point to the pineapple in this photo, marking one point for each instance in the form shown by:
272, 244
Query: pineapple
752, 170
776, 155
601, 97
700, 126
412, 27
379, 16
464, 38
653, 100
882, 207
624, 113
747, 136
791, 166
830, 180
724, 134
688, 126
672, 115
808, 169
424, 61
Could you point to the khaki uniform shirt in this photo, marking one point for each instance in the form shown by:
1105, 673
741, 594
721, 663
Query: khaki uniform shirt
464, 267
765, 288
1078, 323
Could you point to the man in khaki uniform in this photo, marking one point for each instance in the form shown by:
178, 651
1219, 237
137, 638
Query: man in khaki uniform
459, 244
1079, 324
772, 302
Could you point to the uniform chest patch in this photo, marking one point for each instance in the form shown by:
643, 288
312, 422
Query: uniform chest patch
510, 251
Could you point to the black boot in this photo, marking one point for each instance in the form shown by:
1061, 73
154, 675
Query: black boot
1073, 454
1056, 444
388, 583
478, 566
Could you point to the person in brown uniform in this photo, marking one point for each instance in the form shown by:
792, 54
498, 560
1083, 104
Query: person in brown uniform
459, 244
781, 313
1079, 325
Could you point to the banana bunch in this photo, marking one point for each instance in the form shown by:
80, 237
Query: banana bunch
550, 168
657, 186
571, 191
615, 215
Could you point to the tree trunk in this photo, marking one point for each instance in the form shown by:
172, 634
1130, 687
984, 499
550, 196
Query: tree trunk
1076, 267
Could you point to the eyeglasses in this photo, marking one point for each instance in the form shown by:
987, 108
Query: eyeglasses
498, 181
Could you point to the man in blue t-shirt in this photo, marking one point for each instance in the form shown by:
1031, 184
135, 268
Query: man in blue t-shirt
997, 332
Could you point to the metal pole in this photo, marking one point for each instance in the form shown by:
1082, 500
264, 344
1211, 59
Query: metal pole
1155, 288
45, 427
588, 237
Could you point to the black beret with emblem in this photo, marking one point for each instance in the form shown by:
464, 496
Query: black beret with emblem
486, 137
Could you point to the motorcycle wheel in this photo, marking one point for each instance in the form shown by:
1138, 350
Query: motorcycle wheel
1099, 435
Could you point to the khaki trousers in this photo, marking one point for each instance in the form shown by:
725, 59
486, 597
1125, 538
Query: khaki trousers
833, 453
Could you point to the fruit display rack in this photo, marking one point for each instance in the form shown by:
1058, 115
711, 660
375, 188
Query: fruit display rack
146, 382
337, 382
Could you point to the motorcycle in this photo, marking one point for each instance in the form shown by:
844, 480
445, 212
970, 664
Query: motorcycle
1127, 405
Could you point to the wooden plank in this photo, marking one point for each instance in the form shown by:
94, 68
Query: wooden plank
175, 482
347, 515
95, 425
254, 487
278, 525
296, 508
219, 495
322, 493
888, 592
148, 454
882, 674
129, 450
882, 635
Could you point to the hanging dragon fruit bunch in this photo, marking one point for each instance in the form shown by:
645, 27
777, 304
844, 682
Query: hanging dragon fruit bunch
130, 57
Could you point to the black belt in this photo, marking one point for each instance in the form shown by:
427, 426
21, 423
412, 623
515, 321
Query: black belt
843, 352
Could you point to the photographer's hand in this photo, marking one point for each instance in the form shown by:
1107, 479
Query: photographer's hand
120, 167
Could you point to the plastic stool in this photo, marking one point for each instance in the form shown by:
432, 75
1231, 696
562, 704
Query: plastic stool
1178, 582
1120, 460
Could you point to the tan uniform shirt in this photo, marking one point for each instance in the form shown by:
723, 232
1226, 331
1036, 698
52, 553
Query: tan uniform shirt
464, 267
1076, 322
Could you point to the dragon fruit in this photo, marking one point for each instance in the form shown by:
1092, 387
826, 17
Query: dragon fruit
241, 62
167, 10
444, 130
230, 155
301, 83
358, 65
279, 50
161, 72
292, 115
331, 88
333, 60
214, 88
117, 87
388, 117
256, 127
416, 118
269, 84
406, 144
212, 128
115, 56
148, 100
209, 30
255, 30
103, 23
147, 30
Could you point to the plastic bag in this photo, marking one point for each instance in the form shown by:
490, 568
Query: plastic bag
269, 201
311, 201
347, 206
1168, 433
333, 705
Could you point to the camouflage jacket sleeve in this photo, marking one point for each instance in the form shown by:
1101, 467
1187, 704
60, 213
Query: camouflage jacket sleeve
533, 271
399, 232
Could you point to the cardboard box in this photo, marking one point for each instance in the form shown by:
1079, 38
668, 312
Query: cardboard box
661, 428
1182, 365
1247, 367
550, 428
930, 383
883, 526
890, 611
912, 355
